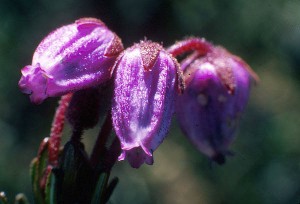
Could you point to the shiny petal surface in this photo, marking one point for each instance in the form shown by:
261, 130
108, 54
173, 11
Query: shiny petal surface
143, 101
73, 57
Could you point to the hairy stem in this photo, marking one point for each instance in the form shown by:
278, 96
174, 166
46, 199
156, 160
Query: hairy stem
192, 44
57, 128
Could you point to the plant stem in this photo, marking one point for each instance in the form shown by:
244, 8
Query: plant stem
192, 44
99, 148
57, 128
112, 155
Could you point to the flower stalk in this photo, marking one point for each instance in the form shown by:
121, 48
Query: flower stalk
57, 128
191, 44
100, 149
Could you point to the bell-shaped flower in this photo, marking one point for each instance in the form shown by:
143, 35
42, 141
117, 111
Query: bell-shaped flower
143, 103
217, 90
73, 57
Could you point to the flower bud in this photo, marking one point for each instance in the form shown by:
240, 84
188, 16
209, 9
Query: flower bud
84, 109
88, 106
143, 100
71, 58
217, 90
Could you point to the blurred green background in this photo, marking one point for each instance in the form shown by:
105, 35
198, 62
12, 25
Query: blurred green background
266, 166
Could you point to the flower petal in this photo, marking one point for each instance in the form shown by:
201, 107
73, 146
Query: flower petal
73, 57
217, 90
143, 103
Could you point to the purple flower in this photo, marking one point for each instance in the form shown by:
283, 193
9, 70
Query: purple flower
143, 100
217, 90
71, 58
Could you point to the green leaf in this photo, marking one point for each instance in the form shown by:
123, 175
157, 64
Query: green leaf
37, 171
50, 191
69, 165
35, 181
110, 188
99, 192
75, 183
33, 171
42, 162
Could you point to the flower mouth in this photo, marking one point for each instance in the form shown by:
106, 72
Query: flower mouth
34, 82
136, 156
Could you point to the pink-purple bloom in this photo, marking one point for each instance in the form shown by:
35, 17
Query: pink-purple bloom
81, 57
143, 103
217, 90
73, 57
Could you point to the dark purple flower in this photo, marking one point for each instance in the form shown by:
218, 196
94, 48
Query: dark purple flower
217, 90
71, 58
143, 103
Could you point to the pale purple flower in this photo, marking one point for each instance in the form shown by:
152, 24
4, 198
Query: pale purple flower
73, 57
143, 102
217, 90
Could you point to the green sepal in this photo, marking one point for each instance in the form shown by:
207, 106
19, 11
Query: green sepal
37, 170
21, 199
99, 192
50, 190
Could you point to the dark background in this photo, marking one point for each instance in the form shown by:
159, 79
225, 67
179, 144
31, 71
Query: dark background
266, 34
